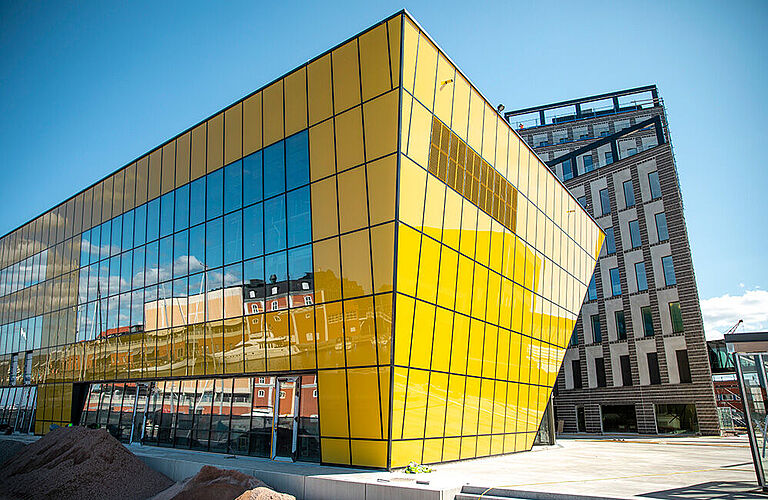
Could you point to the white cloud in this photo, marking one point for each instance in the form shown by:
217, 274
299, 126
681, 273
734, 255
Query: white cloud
721, 313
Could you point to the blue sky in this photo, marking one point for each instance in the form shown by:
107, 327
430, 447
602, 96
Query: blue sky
85, 87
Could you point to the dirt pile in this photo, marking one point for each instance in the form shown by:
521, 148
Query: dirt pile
212, 483
76, 463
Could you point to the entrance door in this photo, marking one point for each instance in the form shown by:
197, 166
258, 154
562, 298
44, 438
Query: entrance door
285, 422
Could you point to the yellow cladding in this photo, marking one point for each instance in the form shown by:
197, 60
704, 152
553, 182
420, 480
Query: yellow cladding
448, 263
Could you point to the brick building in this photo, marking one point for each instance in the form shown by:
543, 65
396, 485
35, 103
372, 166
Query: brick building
638, 360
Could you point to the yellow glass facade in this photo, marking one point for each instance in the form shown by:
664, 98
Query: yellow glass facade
448, 263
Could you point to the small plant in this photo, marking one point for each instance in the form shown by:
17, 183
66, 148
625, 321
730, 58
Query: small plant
414, 468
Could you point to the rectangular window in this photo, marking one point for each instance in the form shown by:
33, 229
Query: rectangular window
592, 289
582, 201
621, 325
608, 155
576, 368
634, 233
669, 270
597, 335
588, 167
629, 193
615, 282
653, 368
642, 281
567, 170
600, 371
574, 339
676, 317
605, 201
661, 226
645, 312
626, 370
610, 241
653, 179
683, 367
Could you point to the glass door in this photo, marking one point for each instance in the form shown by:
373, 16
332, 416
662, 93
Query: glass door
285, 422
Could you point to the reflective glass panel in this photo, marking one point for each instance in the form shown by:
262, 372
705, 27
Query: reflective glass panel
274, 169
274, 224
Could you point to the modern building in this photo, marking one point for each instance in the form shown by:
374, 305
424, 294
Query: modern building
360, 263
638, 358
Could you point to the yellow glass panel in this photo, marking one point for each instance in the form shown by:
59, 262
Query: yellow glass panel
475, 352
505, 304
490, 121
214, 337
426, 66
273, 113
380, 116
319, 88
438, 391
335, 451
168, 173
346, 77
460, 118
381, 195
441, 345
253, 343
452, 219
404, 451
322, 157
382, 253
233, 133
433, 211
418, 134
446, 292
198, 151
233, 345
479, 290
403, 329
383, 304
369, 453
486, 408
415, 404
353, 212
324, 219
468, 229
303, 338
421, 341
408, 243
446, 75
332, 395
399, 379
476, 108
492, 303
252, 131
523, 170
464, 285
330, 335
410, 45
384, 395
182, 160
295, 101
356, 264
359, 329
483, 248
349, 139
393, 25
490, 342
153, 183
405, 121
215, 151
471, 407
428, 270
413, 181
499, 408
327, 270
374, 62
497, 246
364, 409
451, 448
483, 446
513, 154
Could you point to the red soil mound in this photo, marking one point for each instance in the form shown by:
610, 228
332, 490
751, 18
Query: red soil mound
76, 463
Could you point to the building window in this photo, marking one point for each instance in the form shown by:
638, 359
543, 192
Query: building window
592, 289
261, 380
574, 339
634, 233
576, 368
629, 193
642, 280
676, 316
543, 143
604, 133
683, 367
669, 270
307, 300
653, 179
621, 325
582, 201
645, 312
588, 167
626, 370
653, 368
610, 241
608, 155
631, 151
596, 333
314, 393
600, 371
615, 282
605, 201
282, 394
661, 226
567, 170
